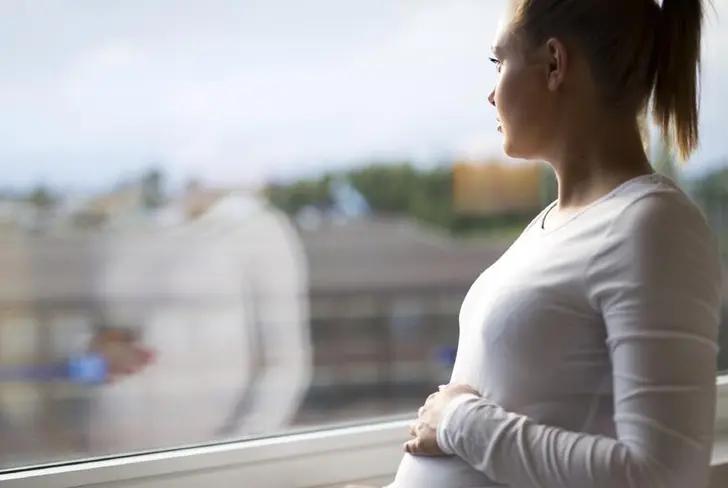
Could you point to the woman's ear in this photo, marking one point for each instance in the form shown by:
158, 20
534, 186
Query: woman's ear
558, 61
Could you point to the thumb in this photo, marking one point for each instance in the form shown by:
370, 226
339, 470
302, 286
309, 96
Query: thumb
412, 445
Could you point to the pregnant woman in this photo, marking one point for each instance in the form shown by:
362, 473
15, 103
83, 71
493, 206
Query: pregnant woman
587, 352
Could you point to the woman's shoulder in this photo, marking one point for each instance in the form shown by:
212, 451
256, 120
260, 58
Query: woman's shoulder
656, 234
657, 226
656, 205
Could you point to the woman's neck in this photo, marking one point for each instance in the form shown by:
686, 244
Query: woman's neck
595, 158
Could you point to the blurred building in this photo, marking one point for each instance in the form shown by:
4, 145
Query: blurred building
385, 294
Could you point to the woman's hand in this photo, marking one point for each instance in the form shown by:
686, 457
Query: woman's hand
124, 354
424, 429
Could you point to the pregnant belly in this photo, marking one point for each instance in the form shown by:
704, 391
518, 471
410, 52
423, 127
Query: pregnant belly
438, 472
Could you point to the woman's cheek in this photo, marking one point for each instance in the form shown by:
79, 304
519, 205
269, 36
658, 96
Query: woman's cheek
503, 97
503, 103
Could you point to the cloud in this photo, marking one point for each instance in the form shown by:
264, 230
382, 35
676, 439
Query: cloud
252, 90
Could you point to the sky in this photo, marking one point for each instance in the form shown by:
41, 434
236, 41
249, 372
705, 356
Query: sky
245, 91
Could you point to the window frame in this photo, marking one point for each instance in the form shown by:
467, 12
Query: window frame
340, 455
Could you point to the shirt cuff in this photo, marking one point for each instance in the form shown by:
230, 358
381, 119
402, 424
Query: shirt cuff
441, 437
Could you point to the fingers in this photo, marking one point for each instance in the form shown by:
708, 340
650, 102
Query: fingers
417, 447
412, 446
432, 395
463, 388
414, 427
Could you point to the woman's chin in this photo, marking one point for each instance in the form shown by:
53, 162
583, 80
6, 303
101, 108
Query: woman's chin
513, 151
509, 149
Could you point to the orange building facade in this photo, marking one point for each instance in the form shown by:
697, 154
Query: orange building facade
497, 188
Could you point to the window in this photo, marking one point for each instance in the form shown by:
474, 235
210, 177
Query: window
226, 220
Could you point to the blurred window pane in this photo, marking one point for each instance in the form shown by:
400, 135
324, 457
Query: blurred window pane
228, 219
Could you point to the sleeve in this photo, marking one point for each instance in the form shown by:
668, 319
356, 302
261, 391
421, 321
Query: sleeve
445, 420
656, 282
277, 273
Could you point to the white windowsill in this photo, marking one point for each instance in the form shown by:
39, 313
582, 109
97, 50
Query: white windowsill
329, 457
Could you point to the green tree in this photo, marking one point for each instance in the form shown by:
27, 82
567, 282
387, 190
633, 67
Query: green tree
293, 197
402, 189
152, 184
387, 188
41, 197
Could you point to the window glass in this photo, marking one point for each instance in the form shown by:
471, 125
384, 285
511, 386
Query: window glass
228, 219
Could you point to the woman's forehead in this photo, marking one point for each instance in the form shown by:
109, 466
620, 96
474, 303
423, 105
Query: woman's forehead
503, 34
503, 38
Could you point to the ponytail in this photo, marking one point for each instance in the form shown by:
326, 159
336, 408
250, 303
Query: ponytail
676, 61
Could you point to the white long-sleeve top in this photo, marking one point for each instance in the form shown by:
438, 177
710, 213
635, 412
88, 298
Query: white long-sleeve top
593, 345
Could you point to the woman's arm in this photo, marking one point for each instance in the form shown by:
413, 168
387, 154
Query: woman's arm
656, 282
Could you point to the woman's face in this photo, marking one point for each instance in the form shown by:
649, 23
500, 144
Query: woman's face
521, 97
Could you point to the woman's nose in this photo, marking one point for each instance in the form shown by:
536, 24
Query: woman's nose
491, 98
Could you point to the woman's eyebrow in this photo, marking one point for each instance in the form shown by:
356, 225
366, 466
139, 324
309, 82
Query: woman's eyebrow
496, 50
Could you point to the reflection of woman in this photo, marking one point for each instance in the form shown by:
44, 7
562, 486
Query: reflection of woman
222, 300
587, 351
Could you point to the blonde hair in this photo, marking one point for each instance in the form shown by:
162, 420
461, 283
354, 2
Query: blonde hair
636, 49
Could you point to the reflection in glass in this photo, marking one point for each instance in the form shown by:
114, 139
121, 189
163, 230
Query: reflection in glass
160, 330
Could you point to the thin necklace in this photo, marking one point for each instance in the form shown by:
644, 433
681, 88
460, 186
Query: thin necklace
543, 220
614, 190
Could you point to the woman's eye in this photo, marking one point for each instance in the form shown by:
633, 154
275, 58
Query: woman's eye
497, 64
